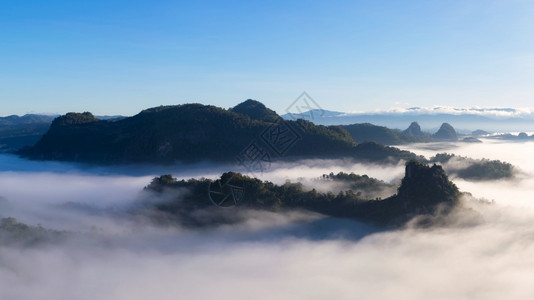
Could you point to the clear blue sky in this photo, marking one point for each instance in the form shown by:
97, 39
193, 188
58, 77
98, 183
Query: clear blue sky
118, 57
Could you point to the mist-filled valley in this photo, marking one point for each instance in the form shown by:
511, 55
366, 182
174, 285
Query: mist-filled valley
81, 233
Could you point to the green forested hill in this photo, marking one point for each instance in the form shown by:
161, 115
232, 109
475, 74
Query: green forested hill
194, 132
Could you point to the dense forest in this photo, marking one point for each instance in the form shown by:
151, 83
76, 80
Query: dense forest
424, 190
194, 132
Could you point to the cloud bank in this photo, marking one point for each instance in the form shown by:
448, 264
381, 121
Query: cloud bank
114, 255
503, 113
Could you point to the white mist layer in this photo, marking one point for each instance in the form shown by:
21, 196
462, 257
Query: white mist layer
269, 256
491, 261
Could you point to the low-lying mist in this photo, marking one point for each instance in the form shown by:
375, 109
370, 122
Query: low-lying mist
517, 191
111, 253
264, 261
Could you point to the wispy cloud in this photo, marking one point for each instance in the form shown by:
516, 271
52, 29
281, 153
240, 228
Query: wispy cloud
526, 112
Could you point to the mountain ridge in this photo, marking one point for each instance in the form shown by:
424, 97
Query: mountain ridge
193, 132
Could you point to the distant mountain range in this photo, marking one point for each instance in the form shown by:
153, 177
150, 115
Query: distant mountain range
248, 134
367, 132
26, 119
465, 120
19, 131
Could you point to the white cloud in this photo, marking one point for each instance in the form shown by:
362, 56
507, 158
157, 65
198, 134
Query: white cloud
527, 112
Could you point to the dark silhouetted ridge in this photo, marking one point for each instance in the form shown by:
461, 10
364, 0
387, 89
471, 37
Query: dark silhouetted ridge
426, 186
446, 132
367, 132
413, 130
189, 132
256, 111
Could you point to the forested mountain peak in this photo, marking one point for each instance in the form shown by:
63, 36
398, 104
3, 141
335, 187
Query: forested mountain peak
414, 130
446, 132
74, 118
256, 111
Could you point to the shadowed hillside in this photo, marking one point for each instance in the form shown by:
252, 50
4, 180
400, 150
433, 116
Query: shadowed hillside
194, 132
424, 191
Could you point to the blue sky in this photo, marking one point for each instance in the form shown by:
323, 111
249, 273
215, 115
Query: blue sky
118, 57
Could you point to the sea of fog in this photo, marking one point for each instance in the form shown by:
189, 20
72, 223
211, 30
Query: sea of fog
293, 255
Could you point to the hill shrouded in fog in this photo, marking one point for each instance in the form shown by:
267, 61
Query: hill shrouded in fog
424, 192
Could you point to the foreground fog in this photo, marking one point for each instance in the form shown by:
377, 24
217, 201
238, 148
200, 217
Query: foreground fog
492, 261
111, 255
